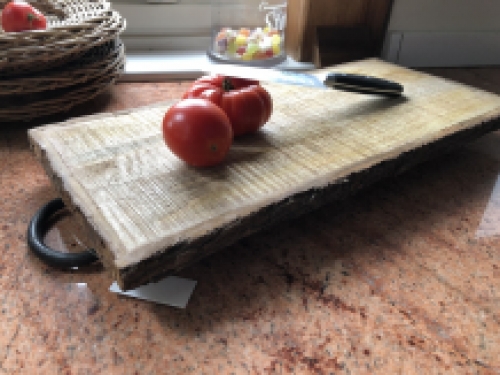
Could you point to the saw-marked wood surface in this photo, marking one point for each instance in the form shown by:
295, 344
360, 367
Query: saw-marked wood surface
153, 214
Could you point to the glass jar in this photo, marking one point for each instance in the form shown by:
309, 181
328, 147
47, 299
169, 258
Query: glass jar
250, 32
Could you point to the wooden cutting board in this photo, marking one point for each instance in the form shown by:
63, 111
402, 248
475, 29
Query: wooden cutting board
150, 215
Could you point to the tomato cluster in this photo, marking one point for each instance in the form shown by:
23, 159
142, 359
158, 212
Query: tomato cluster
19, 15
200, 128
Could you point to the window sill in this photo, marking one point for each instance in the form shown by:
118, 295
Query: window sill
183, 65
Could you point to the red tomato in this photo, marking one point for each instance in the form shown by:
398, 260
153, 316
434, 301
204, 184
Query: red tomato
247, 104
21, 16
198, 132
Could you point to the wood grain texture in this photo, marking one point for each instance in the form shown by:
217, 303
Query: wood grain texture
155, 216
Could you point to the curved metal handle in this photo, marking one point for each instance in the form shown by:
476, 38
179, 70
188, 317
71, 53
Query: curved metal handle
37, 229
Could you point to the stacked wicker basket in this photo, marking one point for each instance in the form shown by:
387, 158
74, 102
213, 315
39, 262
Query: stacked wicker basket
78, 56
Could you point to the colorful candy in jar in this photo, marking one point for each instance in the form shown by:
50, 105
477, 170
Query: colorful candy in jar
247, 45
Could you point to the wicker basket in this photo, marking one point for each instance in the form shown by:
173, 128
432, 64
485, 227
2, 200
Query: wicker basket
73, 28
43, 103
96, 62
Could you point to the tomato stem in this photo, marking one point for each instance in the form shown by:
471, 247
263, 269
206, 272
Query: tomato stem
31, 17
227, 85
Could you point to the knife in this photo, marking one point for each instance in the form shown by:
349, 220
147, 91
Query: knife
340, 81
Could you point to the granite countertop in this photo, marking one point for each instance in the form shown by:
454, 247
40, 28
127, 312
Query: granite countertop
401, 279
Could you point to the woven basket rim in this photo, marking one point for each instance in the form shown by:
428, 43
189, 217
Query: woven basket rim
94, 24
74, 13
62, 35
73, 73
62, 103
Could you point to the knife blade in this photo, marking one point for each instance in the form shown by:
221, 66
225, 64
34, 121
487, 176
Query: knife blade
332, 80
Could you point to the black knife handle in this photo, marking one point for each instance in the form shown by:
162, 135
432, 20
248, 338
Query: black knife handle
363, 84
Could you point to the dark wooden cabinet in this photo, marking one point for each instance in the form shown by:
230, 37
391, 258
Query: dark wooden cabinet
332, 31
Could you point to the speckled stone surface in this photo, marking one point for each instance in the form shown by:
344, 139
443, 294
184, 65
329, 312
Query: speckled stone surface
401, 279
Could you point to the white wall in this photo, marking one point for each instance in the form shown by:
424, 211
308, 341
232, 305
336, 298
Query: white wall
426, 33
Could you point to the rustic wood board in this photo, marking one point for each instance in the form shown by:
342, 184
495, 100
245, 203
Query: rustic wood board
150, 215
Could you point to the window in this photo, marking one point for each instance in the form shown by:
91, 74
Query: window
182, 24
173, 38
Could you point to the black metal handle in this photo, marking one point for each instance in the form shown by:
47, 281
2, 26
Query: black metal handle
37, 229
363, 84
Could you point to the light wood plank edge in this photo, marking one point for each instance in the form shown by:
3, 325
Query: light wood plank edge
39, 145
184, 254
93, 238
181, 255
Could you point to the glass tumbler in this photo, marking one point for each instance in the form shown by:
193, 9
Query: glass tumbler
249, 32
